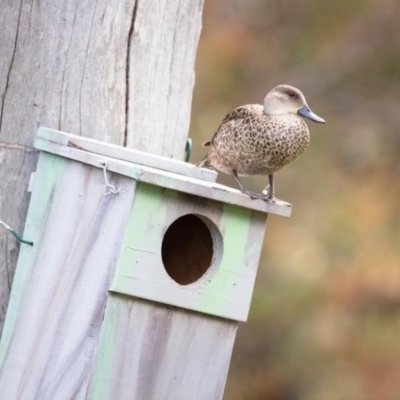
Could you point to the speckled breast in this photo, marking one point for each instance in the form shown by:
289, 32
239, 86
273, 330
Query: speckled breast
261, 146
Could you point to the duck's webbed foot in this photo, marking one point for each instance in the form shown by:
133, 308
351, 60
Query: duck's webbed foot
253, 195
244, 190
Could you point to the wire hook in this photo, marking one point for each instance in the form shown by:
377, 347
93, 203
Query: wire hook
111, 188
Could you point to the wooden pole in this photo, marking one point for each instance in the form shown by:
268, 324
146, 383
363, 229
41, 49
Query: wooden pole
119, 71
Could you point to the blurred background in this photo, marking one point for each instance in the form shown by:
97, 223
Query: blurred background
325, 317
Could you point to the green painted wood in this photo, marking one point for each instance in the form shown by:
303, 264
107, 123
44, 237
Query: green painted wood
226, 283
154, 351
49, 170
60, 291
106, 350
225, 290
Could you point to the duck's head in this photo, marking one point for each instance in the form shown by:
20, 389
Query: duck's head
285, 99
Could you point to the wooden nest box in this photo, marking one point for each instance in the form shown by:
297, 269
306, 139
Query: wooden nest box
140, 271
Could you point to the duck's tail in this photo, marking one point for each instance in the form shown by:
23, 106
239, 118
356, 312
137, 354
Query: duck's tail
204, 163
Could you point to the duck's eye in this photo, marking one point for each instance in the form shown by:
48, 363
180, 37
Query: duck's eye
291, 93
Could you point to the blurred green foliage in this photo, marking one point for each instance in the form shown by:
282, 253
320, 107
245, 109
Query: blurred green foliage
325, 317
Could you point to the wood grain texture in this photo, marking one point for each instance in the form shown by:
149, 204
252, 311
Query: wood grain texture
119, 71
163, 48
157, 352
60, 287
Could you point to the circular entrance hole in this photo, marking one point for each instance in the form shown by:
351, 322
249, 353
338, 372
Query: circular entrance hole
190, 246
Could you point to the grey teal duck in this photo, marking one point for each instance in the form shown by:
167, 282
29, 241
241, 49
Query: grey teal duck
259, 140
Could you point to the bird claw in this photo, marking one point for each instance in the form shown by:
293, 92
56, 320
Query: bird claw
255, 196
268, 199
261, 196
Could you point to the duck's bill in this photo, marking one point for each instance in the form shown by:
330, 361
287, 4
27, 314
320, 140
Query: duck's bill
307, 113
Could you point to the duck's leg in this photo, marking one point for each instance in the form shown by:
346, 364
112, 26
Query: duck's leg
269, 191
242, 188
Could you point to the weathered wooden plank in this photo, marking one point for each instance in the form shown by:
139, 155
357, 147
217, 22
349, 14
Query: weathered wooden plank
209, 190
226, 288
61, 284
156, 352
125, 154
161, 76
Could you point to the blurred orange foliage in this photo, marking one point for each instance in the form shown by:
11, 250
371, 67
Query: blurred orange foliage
325, 316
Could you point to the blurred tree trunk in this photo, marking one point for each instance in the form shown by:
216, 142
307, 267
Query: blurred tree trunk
119, 71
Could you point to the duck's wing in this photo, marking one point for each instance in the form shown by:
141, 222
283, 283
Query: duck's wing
237, 114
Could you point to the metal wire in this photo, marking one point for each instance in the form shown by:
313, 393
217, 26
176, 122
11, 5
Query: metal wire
15, 234
188, 149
